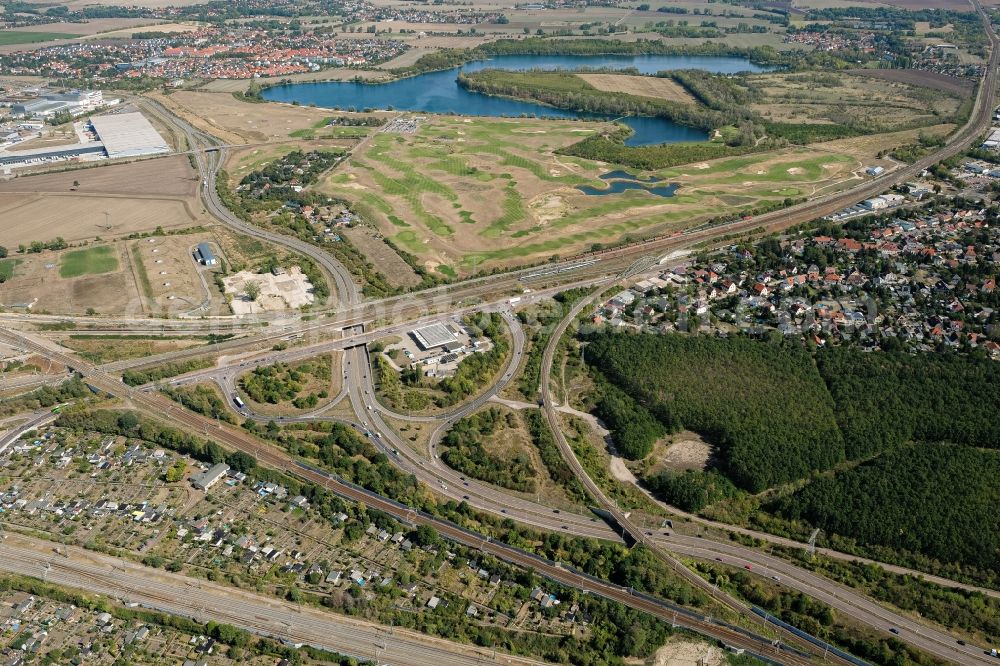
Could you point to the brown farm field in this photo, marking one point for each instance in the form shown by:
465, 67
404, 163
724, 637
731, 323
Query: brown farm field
85, 29
36, 284
386, 260
164, 176
127, 32
44, 217
643, 86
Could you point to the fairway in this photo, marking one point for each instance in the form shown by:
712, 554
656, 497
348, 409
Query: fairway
9, 37
466, 194
91, 261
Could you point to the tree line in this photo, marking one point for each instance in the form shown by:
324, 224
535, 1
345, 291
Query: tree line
937, 500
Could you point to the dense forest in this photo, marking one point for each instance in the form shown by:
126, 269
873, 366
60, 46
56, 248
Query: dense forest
884, 400
201, 399
764, 406
610, 148
635, 429
936, 499
691, 490
466, 453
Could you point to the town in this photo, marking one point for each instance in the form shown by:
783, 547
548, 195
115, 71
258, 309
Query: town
923, 283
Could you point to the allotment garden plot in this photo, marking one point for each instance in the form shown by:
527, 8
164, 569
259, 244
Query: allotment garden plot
465, 194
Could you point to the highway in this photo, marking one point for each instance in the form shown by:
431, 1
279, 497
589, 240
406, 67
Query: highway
201, 600
274, 458
347, 311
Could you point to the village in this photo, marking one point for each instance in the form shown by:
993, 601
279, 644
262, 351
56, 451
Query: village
923, 284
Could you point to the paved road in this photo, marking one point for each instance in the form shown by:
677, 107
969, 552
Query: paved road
209, 164
846, 601
263, 615
37, 420
272, 457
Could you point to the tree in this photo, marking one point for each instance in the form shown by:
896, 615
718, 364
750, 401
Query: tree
252, 290
3, 252
425, 535
128, 421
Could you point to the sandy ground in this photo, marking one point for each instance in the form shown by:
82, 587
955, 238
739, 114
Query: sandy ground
241, 122
644, 86
688, 452
277, 292
688, 653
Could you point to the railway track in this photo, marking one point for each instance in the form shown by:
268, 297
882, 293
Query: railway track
269, 456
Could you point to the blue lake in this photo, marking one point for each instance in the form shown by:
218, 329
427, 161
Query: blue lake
438, 92
620, 181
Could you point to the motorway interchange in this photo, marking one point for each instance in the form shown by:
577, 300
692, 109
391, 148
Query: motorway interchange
357, 323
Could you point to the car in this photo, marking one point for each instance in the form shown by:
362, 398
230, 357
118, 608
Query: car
747, 567
894, 630
564, 527
777, 578
555, 510
465, 497
465, 483
960, 642
666, 534
503, 510
718, 559
649, 534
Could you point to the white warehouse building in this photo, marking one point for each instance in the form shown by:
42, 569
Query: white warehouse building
128, 135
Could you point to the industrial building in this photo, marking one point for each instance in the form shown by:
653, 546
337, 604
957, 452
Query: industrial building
992, 141
128, 135
433, 336
204, 255
208, 478
75, 102
40, 155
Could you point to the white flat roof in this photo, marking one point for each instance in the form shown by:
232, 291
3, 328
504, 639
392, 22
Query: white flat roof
433, 335
128, 134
